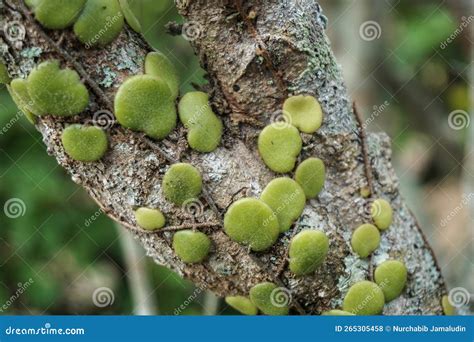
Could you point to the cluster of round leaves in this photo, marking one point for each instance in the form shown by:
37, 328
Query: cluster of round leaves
96, 23
258, 222
50, 90
182, 182
366, 237
280, 144
366, 297
146, 103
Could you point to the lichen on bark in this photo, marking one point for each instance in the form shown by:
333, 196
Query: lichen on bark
278, 47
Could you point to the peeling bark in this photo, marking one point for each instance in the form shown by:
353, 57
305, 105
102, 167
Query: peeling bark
256, 53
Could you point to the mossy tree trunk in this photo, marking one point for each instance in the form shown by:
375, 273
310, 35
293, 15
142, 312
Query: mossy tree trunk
256, 54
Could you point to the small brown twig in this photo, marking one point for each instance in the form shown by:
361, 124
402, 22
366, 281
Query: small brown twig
365, 153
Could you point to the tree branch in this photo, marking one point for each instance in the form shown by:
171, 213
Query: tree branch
278, 47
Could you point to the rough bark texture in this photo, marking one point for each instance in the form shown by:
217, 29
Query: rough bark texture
256, 53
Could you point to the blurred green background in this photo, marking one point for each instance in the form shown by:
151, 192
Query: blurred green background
69, 250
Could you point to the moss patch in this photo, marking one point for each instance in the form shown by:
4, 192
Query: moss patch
242, 304
308, 249
99, 23
57, 91
182, 182
251, 222
190, 246
144, 103
265, 297
364, 298
365, 240
304, 113
310, 174
158, 65
84, 143
279, 147
57, 14
287, 200
149, 218
205, 128
381, 212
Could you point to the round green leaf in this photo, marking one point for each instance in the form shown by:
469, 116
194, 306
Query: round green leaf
149, 218
99, 23
287, 200
391, 276
182, 182
365, 240
303, 112
84, 143
190, 246
279, 147
310, 174
251, 222
270, 299
364, 298
308, 250
144, 103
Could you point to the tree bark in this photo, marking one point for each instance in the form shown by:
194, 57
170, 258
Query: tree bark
256, 53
